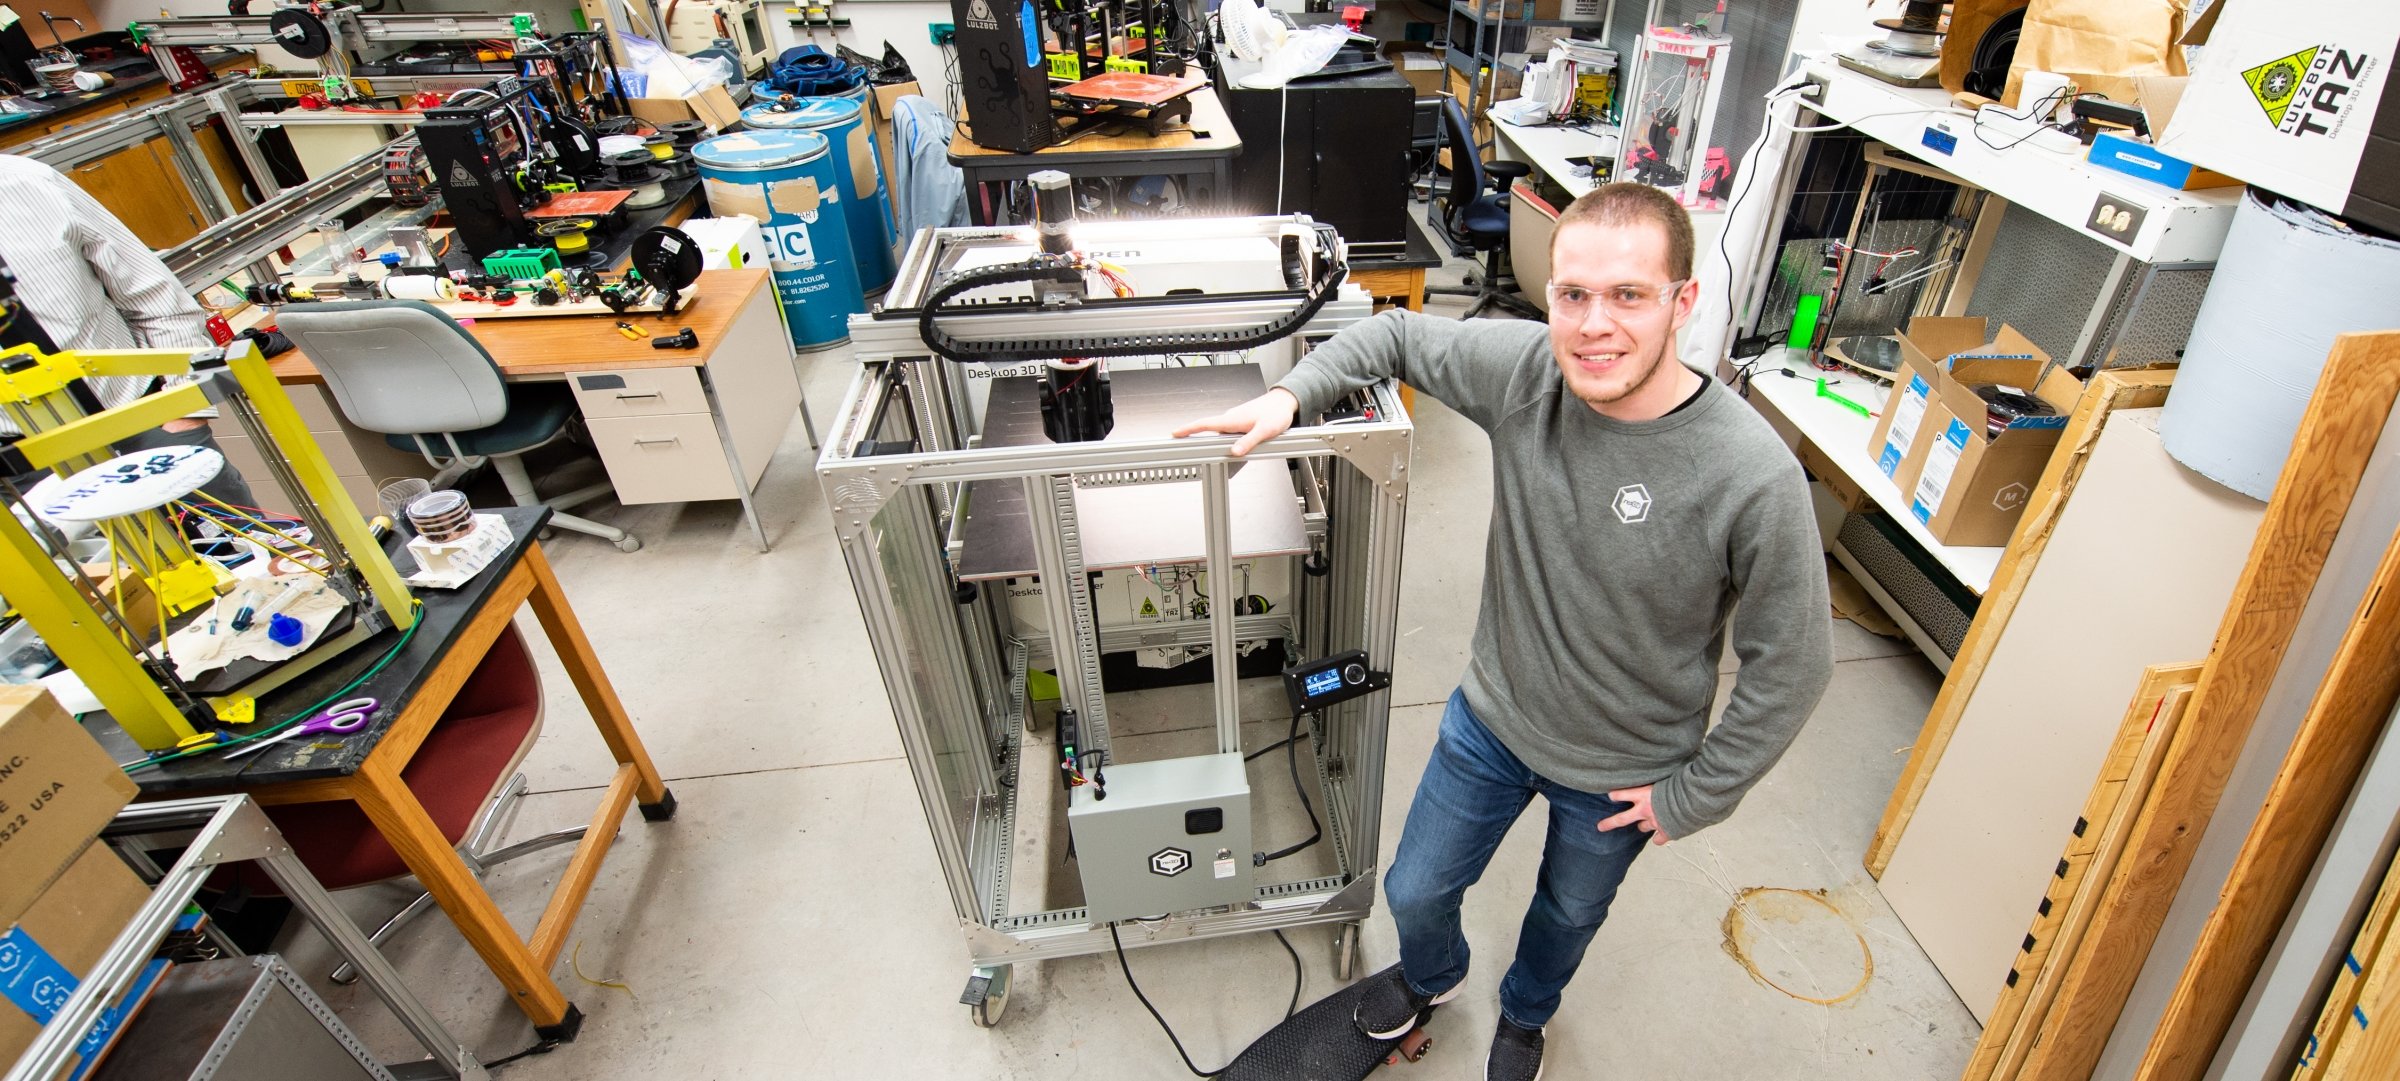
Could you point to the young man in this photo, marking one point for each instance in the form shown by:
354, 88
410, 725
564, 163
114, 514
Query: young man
1634, 503
91, 284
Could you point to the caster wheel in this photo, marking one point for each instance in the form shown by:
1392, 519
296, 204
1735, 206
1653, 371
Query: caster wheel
987, 1013
631, 543
1414, 1045
1345, 952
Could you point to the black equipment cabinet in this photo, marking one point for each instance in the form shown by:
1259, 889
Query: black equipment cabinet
1342, 147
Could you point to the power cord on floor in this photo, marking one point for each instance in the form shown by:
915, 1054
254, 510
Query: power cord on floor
1288, 1010
1316, 829
542, 1048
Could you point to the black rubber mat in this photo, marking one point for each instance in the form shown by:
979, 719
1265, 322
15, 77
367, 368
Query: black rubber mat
1320, 1043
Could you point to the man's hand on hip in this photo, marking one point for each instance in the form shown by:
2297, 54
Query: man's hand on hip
1639, 815
1256, 421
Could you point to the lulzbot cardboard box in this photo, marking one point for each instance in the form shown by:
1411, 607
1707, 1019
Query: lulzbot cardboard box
51, 946
1978, 468
2296, 96
1897, 446
58, 787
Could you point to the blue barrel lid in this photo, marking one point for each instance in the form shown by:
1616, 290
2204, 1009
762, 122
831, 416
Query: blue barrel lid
760, 149
805, 114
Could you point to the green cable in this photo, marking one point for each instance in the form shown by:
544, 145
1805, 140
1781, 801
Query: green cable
415, 607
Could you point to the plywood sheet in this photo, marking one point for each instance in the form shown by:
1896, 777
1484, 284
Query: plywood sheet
2366, 528
2139, 571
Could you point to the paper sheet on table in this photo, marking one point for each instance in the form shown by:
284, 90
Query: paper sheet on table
195, 651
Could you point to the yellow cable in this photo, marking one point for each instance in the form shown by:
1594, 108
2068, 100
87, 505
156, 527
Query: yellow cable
575, 962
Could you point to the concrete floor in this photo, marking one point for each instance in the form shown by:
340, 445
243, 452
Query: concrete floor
791, 920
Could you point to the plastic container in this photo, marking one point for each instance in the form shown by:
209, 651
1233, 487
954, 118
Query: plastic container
857, 157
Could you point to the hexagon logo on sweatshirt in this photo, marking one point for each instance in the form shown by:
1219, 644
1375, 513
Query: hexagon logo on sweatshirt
1632, 504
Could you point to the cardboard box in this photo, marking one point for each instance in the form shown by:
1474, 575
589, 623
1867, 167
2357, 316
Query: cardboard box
1571, 10
1419, 63
1546, 10
2286, 97
1837, 483
880, 102
1898, 444
57, 789
133, 596
712, 106
1972, 486
53, 944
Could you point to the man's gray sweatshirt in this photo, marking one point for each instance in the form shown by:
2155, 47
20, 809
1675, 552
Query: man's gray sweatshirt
1617, 553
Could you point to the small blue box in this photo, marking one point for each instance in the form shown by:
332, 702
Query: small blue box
2143, 160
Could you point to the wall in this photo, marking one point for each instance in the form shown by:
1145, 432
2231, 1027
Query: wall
1840, 20
873, 22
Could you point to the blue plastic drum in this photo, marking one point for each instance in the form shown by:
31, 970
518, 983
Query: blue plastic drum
788, 180
842, 121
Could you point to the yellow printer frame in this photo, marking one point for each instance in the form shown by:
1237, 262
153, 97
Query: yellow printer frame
74, 614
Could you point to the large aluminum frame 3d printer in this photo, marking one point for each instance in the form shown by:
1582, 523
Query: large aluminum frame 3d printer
932, 445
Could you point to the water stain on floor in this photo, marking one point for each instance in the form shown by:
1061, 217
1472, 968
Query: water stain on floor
1768, 930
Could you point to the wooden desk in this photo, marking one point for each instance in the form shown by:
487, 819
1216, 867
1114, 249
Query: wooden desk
454, 631
672, 425
1199, 154
1398, 280
1547, 147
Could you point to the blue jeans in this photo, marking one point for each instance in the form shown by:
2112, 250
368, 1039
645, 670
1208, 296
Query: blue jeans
1473, 790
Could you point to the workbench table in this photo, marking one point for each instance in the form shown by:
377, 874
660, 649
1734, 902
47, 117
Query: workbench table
1198, 152
455, 629
671, 425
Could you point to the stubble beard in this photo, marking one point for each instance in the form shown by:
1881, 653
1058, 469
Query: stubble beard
1649, 364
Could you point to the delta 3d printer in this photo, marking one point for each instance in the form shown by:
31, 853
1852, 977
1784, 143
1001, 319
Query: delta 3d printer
1010, 505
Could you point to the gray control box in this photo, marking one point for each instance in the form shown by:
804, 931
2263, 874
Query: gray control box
1173, 835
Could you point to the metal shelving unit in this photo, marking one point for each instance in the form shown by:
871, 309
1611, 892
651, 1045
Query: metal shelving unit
1488, 40
220, 830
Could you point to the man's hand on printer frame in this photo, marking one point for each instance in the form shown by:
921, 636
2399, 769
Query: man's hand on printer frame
1256, 421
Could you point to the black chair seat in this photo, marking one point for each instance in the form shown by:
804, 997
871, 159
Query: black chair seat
1486, 220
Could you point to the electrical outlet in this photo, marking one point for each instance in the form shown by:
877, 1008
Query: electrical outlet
943, 33
1814, 89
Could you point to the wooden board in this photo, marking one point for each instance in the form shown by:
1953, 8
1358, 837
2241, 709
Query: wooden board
2336, 737
2337, 1023
2338, 434
2112, 390
2138, 566
2091, 854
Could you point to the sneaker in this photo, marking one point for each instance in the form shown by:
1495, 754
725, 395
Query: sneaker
1516, 1054
1389, 1008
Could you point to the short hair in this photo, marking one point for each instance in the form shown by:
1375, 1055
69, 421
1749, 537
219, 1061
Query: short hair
1635, 204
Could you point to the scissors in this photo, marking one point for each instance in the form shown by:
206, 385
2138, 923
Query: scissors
343, 718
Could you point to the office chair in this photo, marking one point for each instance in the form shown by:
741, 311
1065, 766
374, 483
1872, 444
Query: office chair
465, 773
1477, 221
406, 369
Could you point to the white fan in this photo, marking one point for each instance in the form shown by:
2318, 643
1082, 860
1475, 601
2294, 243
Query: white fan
1250, 31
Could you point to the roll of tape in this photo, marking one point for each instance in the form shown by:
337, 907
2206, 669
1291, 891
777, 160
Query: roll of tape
419, 287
